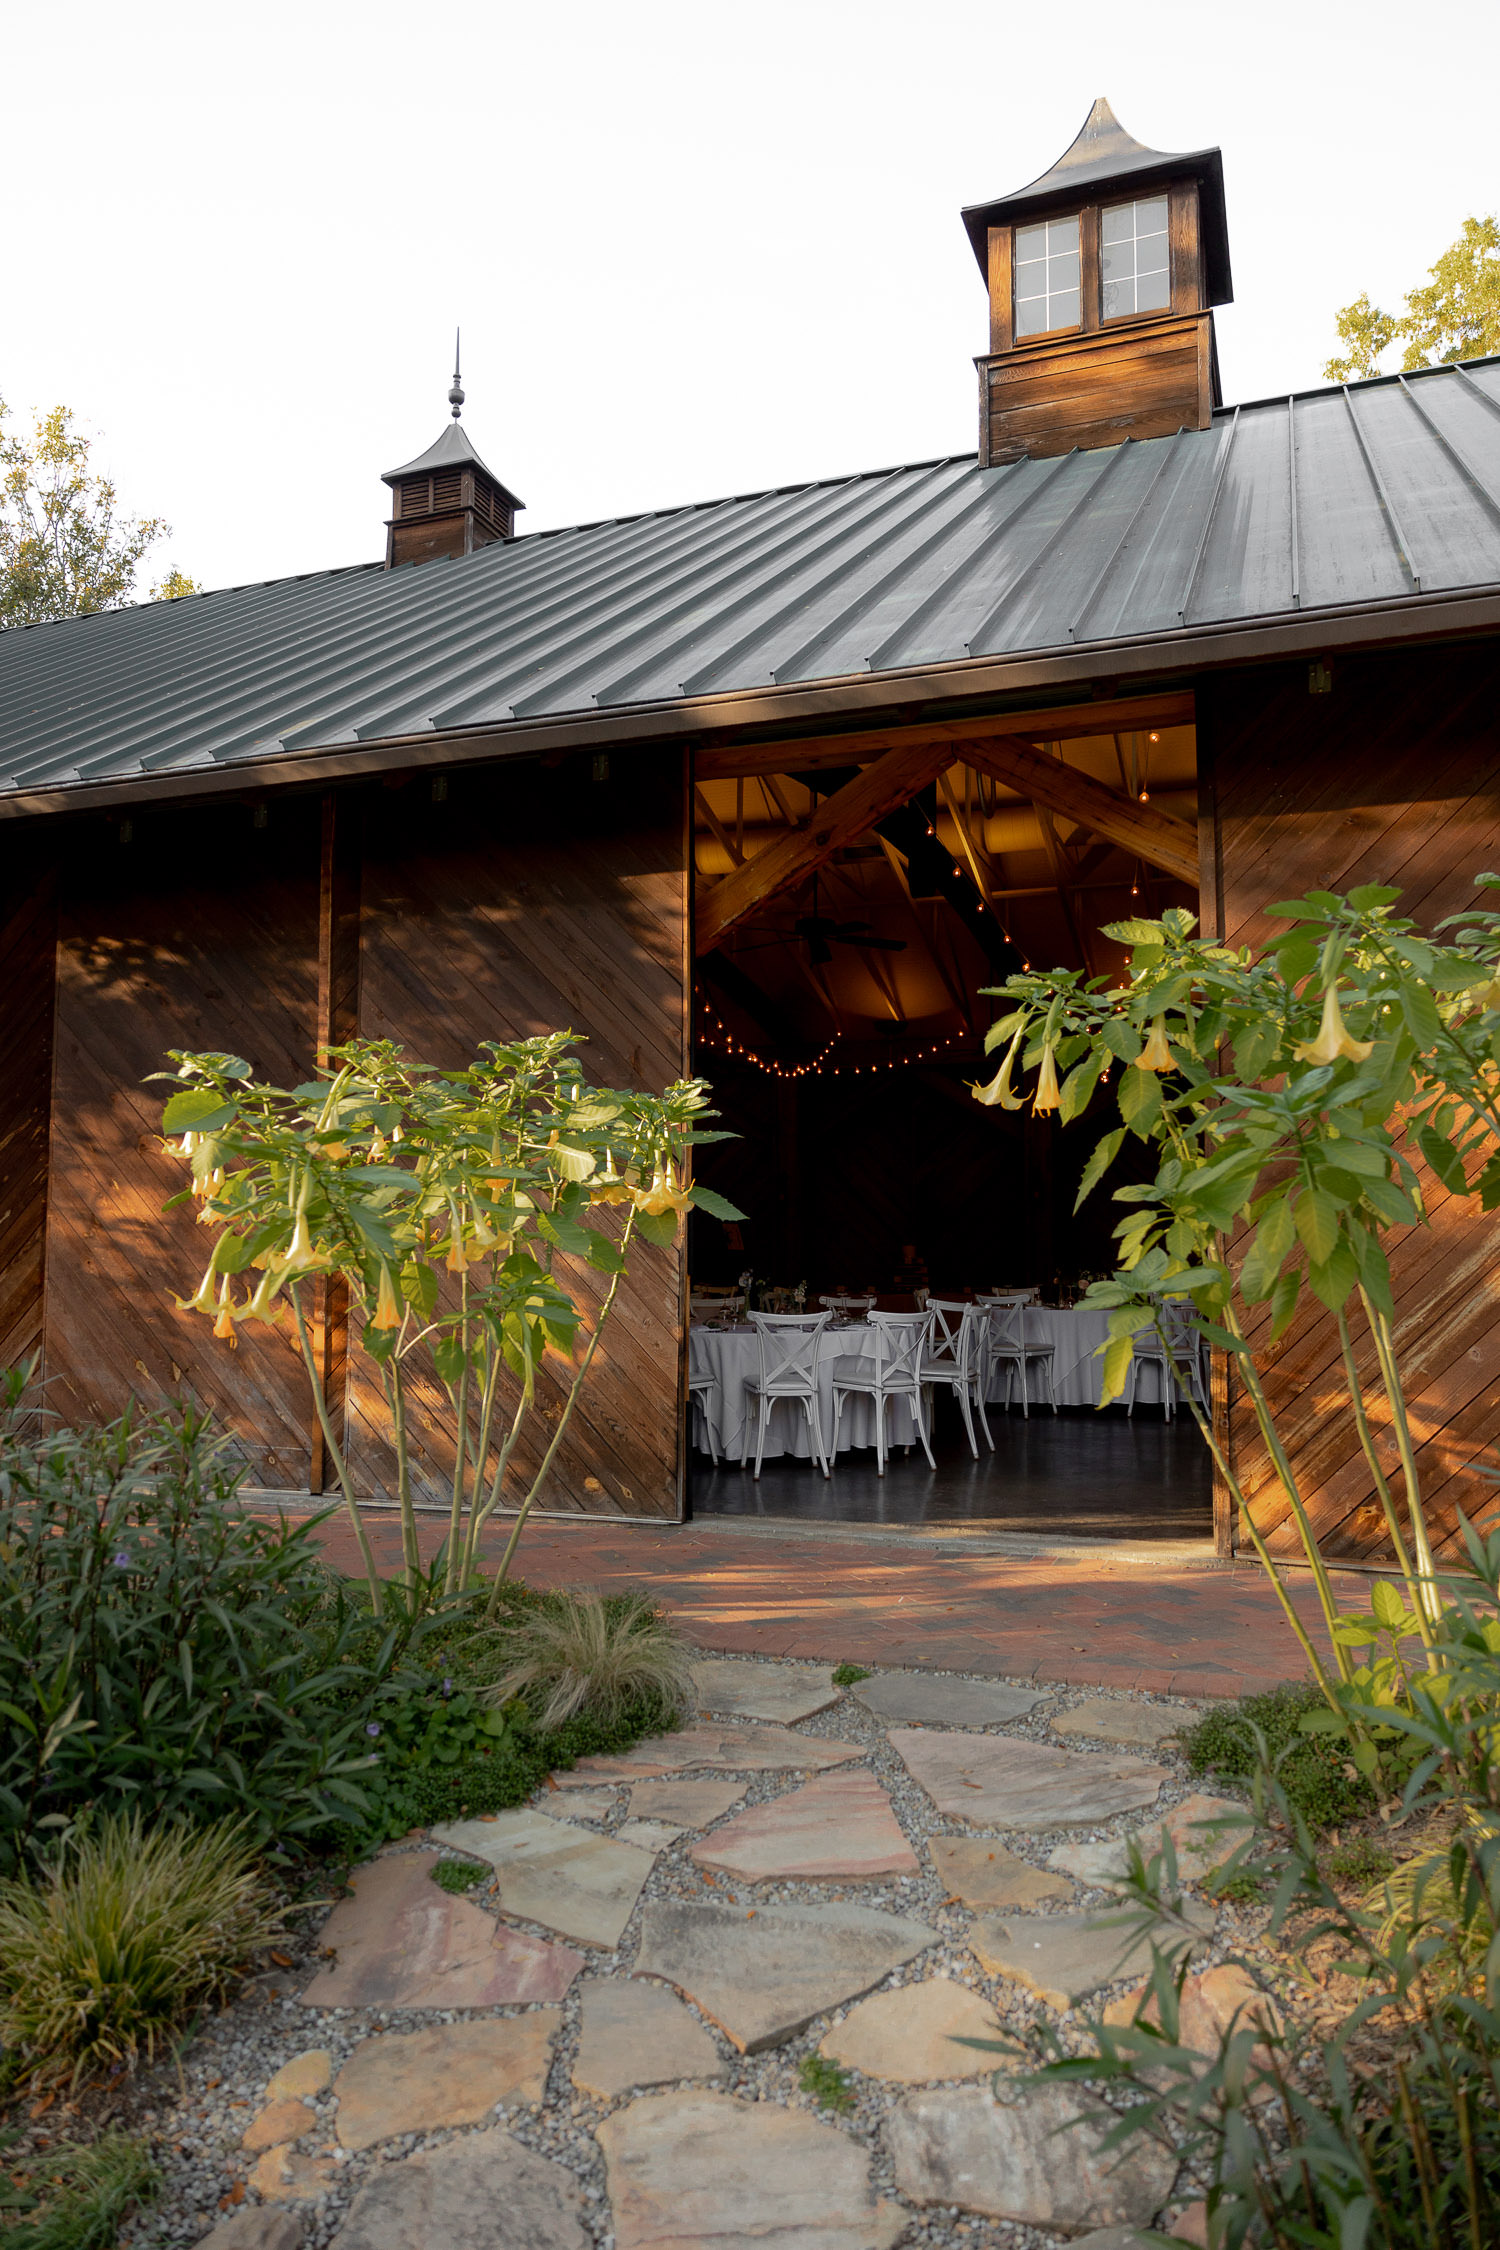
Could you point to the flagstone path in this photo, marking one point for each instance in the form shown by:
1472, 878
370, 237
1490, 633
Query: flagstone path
600, 2047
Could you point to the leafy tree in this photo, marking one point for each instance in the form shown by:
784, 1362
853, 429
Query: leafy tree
1457, 316
64, 549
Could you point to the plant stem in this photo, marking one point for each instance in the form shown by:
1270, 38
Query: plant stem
1390, 1375
396, 1399
460, 1398
563, 1420
480, 1460
1367, 1442
320, 1405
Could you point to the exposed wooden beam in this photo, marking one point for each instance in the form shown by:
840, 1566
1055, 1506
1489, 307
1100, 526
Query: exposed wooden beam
1156, 836
719, 832
849, 813
1174, 709
966, 841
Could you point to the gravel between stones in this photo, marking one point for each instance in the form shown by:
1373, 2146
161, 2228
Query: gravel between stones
196, 2123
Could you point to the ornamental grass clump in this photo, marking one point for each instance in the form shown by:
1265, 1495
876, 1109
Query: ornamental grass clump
75, 2195
107, 1952
595, 1656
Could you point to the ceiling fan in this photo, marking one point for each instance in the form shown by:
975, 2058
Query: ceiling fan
820, 933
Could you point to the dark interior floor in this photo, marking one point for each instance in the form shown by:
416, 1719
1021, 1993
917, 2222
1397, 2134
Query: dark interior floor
1079, 1473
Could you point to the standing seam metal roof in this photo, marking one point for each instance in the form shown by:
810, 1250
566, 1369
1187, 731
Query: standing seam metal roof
1381, 491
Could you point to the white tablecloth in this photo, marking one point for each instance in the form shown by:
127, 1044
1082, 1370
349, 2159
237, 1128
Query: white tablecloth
732, 1356
1075, 1335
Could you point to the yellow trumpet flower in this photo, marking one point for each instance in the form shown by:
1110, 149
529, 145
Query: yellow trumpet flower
1047, 1096
1334, 1039
387, 1304
1156, 1054
202, 1299
224, 1325
998, 1089
664, 1194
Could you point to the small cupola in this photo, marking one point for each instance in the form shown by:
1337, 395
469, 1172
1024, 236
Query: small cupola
446, 502
1102, 277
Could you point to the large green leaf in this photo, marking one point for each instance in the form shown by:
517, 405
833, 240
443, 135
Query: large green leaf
1334, 1278
1140, 1100
1317, 1224
1422, 1019
1284, 1300
197, 1109
1099, 1163
717, 1206
1117, 1355
1444, 1159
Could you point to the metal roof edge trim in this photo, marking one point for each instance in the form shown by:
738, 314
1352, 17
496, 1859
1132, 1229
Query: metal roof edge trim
1195, 648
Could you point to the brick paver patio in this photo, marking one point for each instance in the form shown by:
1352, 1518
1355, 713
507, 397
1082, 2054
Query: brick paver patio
1085, 1621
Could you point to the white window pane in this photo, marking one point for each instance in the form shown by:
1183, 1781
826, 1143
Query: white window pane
1031, 242
1151, 254
1031, 318
1117, 261
1119, 224
1153, 292
1151, 216
1062, 236
1063, 309
1031, 279
1119, 297
1062, 273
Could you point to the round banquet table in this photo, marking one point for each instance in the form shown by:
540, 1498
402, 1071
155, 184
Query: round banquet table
732, 1357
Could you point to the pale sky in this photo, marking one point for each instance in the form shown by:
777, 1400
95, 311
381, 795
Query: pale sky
695, 249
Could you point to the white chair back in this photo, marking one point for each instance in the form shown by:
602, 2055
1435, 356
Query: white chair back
956, 1328
1009, 1322
900, 1341
1003, 1295
848, 1308
788, 1350
714, 1305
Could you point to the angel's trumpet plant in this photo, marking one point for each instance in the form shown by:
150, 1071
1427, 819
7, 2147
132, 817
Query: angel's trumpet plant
1156, 1054
1334, 1042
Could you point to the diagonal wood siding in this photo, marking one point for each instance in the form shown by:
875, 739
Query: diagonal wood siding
28, 930
533, 899
1393, 777
200, 932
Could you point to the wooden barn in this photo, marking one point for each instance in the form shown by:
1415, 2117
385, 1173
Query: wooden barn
770, 787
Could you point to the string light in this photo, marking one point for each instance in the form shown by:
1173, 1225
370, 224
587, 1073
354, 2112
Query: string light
726, 1043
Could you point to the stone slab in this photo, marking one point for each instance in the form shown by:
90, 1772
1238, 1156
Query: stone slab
1199, 1849
648, 1835
699, 2171
761, 1691
1062, 1958
633, 2034
728, 1749
1024, 2161
1210, 2003
548, 1871
304, 2075
483, 2191
400, 1942
694, 1804
257, 2226
999, 1782
454, 2074
1141, 1726
284, 2120
985, 1874
285, 2175
587, 1804
936, 1699
840, 1825
763, 1974
911, 2034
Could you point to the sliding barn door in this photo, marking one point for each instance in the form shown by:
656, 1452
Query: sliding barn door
497, 904
1392, 777
194, 929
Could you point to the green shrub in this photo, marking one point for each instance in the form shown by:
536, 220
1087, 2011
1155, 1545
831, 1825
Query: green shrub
459, 1875
74, 2197
826, 2082
104, 1954
591, 1655
1314, 1770
1360, 1861
849, 1675
160, 1647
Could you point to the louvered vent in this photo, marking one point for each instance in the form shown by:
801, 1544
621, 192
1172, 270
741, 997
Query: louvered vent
447, 490
416, 497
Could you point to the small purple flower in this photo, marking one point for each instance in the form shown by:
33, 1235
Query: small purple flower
447, 1687
122, 1559
372, 1729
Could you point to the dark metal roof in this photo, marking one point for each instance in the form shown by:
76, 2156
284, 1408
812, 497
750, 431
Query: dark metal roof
451, 451
1102, 153
1384, 493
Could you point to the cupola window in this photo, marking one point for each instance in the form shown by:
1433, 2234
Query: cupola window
1134, 266
1047, 276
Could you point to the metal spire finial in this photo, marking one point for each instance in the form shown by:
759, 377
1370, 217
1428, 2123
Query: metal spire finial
456, 395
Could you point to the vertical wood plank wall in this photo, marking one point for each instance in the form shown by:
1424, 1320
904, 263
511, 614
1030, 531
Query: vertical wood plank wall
1393, 777
28, 934
199, 932
532, 899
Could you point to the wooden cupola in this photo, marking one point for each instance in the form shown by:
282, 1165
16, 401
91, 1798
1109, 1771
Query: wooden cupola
1102, 277
446, 502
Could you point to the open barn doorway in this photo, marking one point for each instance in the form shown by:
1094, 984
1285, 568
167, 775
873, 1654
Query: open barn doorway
853, 900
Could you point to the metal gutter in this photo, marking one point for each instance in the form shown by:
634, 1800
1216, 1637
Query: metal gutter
884, 698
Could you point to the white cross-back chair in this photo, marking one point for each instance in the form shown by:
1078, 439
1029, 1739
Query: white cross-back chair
714, 1304
704, 1390
848, 1308
893, 1371
954, 1358
1014, 1344
1185, 1346
788, 1376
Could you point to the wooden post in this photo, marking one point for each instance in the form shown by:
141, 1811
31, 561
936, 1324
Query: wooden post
338, 1020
